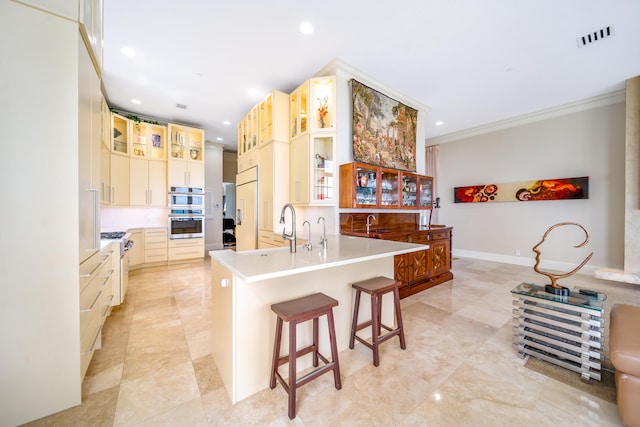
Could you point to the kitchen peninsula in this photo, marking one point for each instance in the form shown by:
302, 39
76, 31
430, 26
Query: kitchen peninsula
245, 284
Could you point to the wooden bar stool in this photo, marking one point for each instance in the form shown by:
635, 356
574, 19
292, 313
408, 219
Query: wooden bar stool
376, 288
297, 311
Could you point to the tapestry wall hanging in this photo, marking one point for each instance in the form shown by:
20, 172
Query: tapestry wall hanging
546, 189
384, 130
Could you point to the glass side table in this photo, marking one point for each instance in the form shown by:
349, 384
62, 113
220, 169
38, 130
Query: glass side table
567, 331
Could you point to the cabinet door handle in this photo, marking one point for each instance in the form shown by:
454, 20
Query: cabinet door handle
150, 197
92, 304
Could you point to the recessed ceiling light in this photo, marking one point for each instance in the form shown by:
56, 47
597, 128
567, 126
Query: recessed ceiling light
439, 123
306, 28
226, 122
218, 139
136, 101
128, 51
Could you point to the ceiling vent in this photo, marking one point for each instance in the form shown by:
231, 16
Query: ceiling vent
595, 36
183, 106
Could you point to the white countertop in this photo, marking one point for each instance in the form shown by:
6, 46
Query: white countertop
342, 250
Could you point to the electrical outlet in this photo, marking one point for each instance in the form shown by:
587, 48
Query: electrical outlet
517, 252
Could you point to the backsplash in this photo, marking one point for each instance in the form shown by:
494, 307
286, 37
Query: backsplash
118, 219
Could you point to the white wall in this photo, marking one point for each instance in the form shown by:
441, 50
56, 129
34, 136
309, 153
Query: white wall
213, 188
585, 143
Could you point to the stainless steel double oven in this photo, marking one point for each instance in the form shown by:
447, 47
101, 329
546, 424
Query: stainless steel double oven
186, 212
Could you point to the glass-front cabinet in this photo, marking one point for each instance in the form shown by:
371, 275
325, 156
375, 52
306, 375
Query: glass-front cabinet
389, 188
312, 170
322, 100
273, 118
148, 141
248, 131
369, 186
120, 134
425, 192
312, 106
186, 143
409, 190
359, 185
298, 110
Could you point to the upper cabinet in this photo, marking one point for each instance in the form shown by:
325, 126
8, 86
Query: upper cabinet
368, 186
187, 143
248, 132
120, 134
91, 21
148, 141
273, 118
267, 121
312, 107
312, 169
186, 161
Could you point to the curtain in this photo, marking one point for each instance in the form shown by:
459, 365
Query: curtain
432, 165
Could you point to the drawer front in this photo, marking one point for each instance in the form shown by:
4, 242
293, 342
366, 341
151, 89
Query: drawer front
155, 255
155, 242
89, 270
420, 238
177, 243
269, 240
437, 235
186, 253
90, 314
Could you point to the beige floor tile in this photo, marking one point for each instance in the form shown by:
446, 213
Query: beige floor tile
459, 367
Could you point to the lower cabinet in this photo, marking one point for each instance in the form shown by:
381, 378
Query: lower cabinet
180, 249
136, 253
96, 293
423, 269
155, 245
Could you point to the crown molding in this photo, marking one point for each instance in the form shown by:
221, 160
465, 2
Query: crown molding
561, 110
340, 68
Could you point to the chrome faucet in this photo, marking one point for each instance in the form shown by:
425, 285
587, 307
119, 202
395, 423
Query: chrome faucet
323, 239
308, 246
369, 218
290, 237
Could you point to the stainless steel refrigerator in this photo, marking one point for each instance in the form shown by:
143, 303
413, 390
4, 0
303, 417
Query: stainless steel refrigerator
247, 210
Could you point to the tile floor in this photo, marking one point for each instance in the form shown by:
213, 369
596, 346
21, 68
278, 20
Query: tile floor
459, 368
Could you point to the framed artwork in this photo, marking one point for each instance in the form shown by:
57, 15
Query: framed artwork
544, 189
384, 130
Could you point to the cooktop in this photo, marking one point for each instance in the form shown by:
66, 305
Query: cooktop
112, 235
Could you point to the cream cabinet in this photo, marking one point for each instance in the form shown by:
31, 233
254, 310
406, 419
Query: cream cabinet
181, 174
148, 183
148, 141
105, 155
136, 253
155, 245
181, 249
120, 131
186, 159
312, 106
90, 309
249, 160
248, 132
273, 118
119, 180
108, 277
91, 20
273, 183
312, 170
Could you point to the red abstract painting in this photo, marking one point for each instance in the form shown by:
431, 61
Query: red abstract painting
545, 189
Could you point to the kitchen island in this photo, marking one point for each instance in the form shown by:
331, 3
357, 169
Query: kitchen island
245, 284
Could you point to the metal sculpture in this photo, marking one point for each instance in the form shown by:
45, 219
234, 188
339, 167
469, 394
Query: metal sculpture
554, 287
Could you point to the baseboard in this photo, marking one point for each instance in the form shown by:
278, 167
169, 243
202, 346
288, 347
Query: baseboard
548, 265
